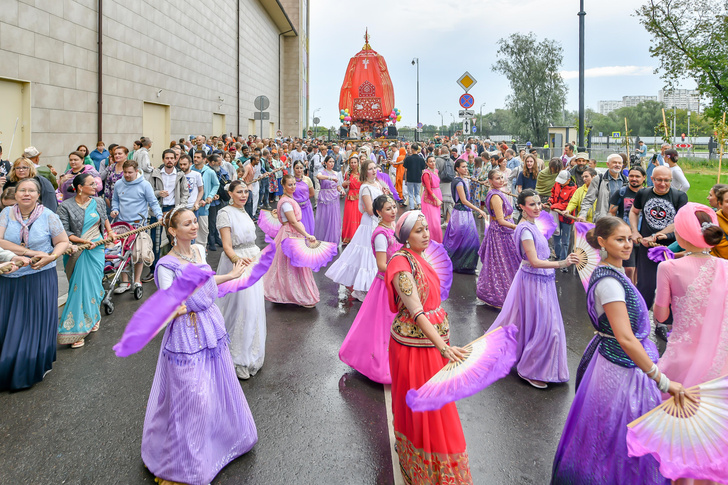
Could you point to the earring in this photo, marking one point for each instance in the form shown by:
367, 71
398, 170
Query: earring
407, 245
603, 254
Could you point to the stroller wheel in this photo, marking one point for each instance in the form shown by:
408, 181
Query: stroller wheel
108, 308
138, 293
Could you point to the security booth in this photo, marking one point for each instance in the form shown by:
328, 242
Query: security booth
558, 137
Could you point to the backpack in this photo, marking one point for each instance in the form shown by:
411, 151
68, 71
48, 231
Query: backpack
221, 191
448, 171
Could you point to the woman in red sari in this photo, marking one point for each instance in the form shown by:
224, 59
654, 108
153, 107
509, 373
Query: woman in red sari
352, 216
430, 444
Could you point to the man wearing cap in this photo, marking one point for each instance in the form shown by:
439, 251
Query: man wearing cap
578, 169
32, 154
602, 188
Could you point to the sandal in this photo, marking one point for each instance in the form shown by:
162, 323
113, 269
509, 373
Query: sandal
78, 345
95, 328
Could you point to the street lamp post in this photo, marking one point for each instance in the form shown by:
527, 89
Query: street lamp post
442, 123
480, 121
689, 130
453, 121
315, 125
416, 60
581, 14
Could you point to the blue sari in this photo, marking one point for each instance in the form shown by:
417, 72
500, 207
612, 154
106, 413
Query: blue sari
85, 288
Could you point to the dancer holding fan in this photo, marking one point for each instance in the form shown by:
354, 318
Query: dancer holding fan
328, 209
498, 252
461, 237
302, 195
532, 304
357, 267
243, 311
430, 445
615, 378
352, 216
694, 286
197, 418
285, 283
365, 347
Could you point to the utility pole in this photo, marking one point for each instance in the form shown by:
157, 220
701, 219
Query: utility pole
581, 14
480, 121
416, 60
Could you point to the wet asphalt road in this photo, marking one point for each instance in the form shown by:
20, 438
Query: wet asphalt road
319, 421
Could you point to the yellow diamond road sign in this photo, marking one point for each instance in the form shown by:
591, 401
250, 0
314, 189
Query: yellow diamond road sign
466, 81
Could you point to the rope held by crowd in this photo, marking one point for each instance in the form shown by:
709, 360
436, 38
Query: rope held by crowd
82, 247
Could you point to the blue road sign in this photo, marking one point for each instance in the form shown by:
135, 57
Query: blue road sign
467, 101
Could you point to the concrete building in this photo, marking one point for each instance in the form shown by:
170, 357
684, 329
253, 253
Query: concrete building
606, 107
165, 69
688, 99
632, 101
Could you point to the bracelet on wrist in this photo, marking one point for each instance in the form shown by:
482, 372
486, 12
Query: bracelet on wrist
444, 349
414, 319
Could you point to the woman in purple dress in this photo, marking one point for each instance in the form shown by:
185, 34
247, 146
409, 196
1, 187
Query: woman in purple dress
302, 195
328, 208
614, 383
197, 418
498, 253
461, 237
532, 304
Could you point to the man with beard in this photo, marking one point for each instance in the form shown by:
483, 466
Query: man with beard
658, 206
602, 188
579, 168
620, 205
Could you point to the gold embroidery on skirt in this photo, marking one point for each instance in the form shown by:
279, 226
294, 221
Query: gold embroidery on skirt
419, 467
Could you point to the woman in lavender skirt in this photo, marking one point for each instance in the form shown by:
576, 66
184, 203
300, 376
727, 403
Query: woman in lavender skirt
461, 238
197, 418
498, 252
328, 208
532, 304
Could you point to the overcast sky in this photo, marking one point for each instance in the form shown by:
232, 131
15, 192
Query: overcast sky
451, 37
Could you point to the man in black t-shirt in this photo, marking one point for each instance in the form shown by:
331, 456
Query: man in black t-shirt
620, 204
413, 166
658, 206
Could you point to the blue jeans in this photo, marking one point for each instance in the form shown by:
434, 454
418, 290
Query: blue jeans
157, 237
413, 189
562, 241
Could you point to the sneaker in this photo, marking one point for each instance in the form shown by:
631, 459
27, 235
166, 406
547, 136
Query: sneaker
122, 288
149, 277
662, 332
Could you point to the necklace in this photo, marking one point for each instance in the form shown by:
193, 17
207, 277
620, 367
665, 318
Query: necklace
385, 225
705, 251
192, 259
607, 263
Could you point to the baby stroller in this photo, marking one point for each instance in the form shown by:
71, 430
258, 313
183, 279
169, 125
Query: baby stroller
118, 260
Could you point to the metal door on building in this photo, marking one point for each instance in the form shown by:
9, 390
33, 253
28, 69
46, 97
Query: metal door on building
156, 125
218, 124
14, 118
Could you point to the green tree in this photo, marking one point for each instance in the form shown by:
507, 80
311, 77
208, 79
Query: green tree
499, 122
690, 39
539, 93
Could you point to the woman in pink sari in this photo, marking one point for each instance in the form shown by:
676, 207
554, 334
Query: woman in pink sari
694, 286
285, 283
432, 199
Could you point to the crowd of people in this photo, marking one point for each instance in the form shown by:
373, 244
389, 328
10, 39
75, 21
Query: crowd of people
398, 199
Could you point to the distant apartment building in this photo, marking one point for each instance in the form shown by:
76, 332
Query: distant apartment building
632, 101
606, 107
688, 99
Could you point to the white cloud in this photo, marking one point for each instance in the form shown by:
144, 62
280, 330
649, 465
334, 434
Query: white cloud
610, 71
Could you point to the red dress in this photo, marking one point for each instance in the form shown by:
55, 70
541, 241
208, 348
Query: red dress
352, 216
430, 444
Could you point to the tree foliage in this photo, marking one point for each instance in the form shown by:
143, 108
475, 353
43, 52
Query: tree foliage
643, 118
539, 93
690, 39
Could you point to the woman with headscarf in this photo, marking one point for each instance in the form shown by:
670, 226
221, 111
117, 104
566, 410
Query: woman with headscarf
430, 444
84, 219
694, 288
29, 325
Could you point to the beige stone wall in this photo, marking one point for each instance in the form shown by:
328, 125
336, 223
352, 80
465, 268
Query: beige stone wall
185, 48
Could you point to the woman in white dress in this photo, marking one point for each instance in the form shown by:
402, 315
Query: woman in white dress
356, 268
243, 311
